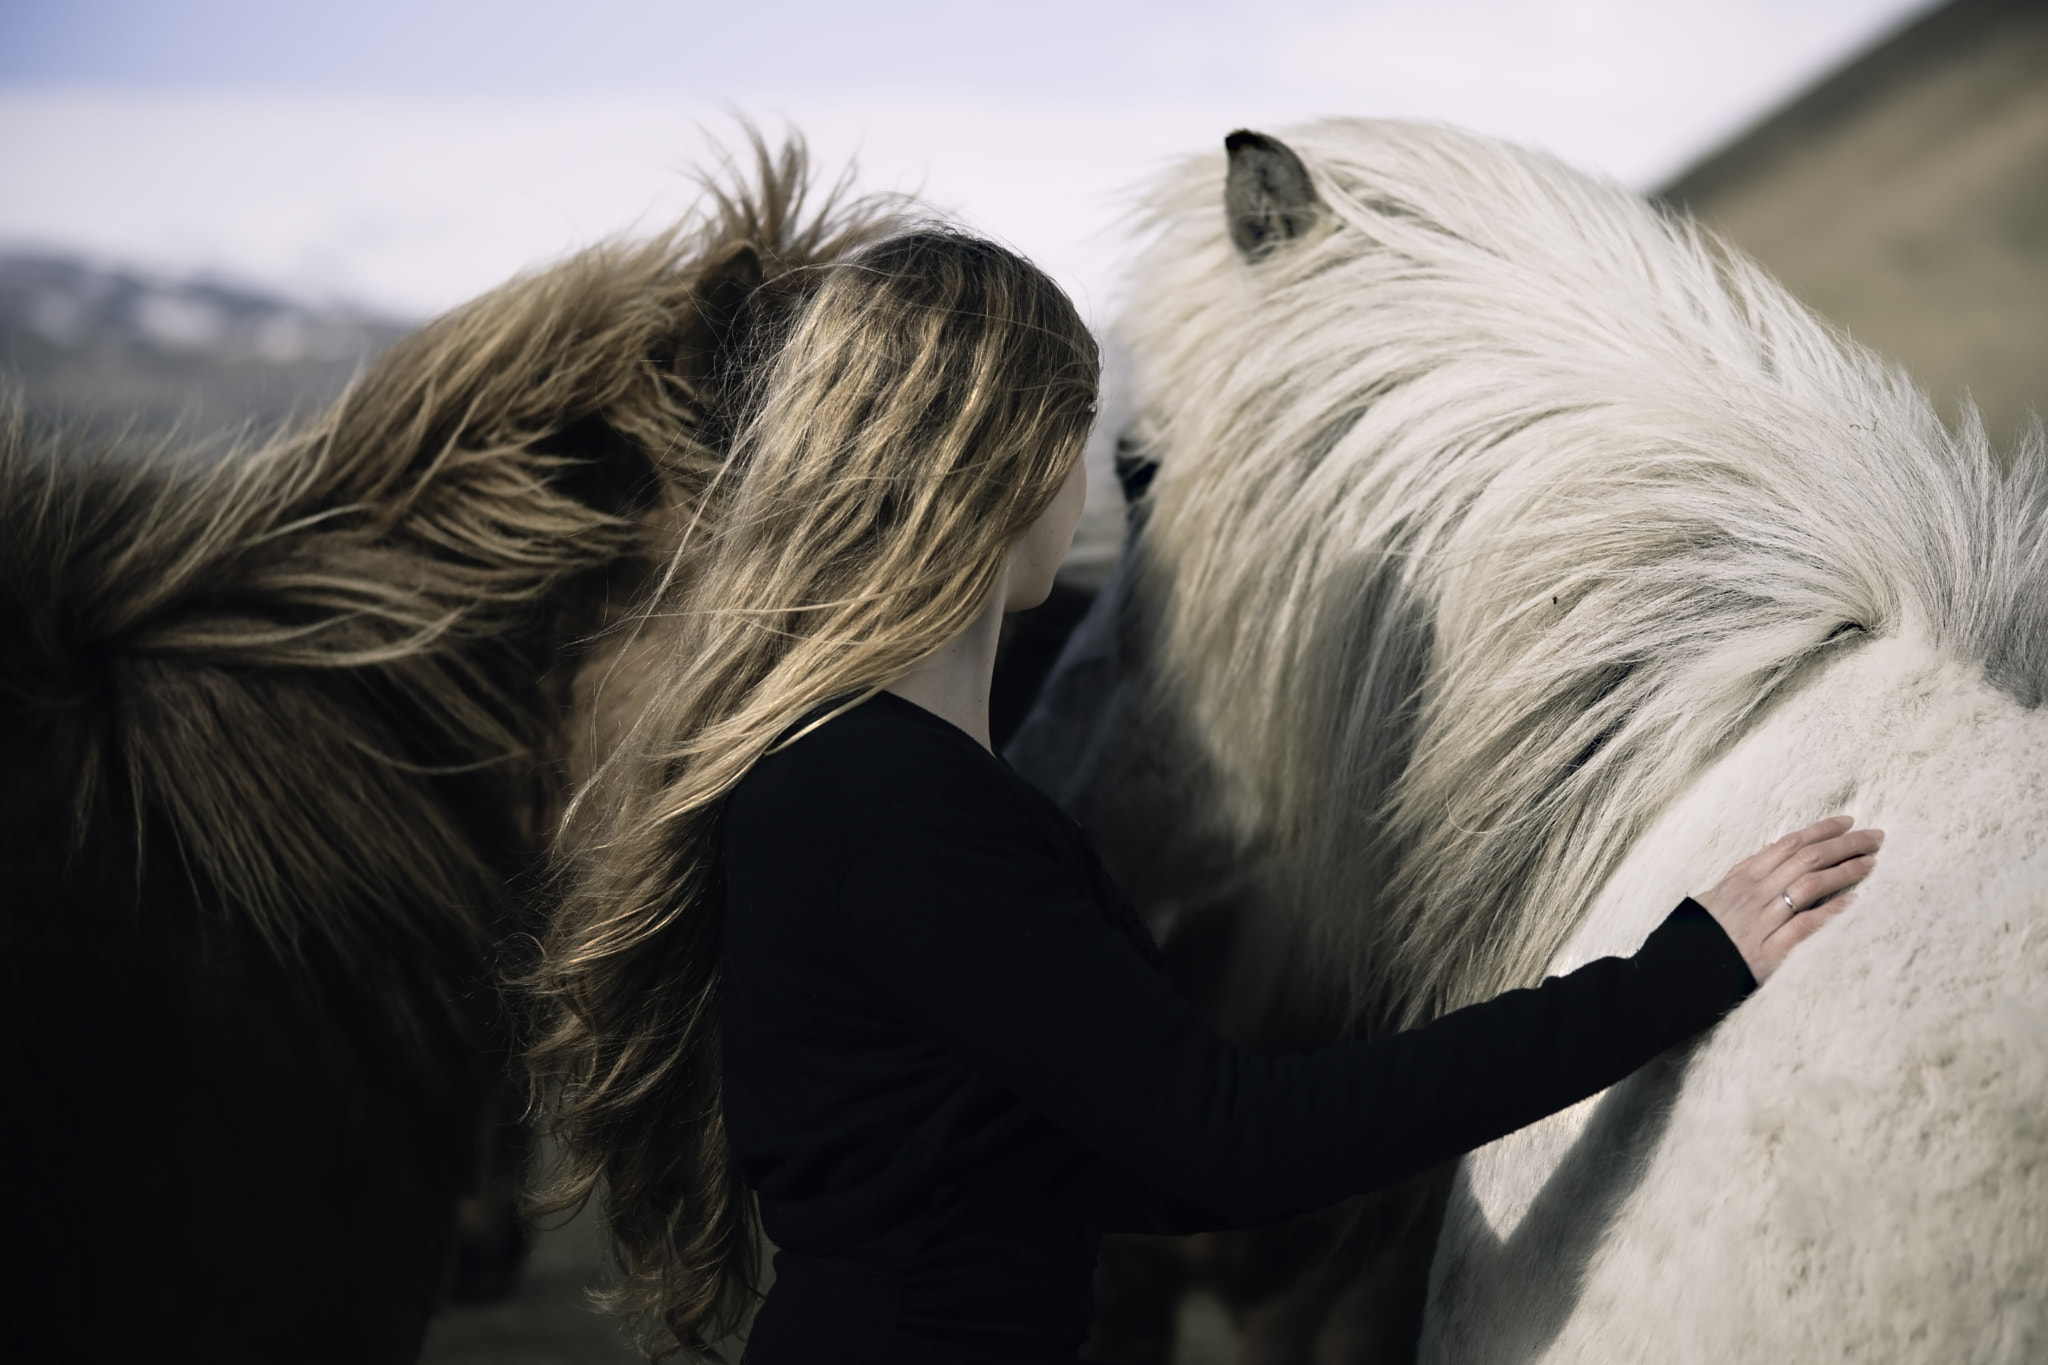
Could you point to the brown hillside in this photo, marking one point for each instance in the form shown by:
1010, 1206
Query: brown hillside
1906, 196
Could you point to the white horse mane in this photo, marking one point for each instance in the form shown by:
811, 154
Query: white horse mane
1518, 500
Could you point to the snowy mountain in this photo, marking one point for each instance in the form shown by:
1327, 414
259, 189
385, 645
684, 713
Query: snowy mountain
115, 349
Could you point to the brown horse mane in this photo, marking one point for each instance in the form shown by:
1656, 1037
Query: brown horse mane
334, 665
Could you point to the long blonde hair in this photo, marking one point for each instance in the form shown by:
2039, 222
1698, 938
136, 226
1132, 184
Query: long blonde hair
914, 417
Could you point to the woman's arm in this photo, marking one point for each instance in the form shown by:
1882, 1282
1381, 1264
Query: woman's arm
995, 951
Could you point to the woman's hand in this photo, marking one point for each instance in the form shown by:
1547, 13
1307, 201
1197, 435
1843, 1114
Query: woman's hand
1777, 899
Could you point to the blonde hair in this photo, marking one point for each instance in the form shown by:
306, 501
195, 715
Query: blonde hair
917, 414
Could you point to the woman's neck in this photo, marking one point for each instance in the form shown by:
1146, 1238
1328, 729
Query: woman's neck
954, 683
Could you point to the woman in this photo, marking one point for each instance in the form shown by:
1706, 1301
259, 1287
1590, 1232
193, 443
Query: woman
822, 945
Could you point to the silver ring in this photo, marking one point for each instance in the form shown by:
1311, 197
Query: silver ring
1786, 896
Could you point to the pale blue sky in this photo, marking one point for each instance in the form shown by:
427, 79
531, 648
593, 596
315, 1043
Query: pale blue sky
409, 152
510, 46
714, 49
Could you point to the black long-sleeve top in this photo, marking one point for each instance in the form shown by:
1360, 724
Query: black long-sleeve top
951, 1060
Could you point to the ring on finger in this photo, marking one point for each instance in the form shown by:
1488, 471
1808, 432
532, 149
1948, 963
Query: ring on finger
1786, 896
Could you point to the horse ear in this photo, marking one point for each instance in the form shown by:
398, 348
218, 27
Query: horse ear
726, 286
1268, 197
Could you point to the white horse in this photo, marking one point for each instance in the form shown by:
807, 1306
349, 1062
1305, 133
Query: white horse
1519, 557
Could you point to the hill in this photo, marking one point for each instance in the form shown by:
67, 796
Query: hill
110, 348
1906, 197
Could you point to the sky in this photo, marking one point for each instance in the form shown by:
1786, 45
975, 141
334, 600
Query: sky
403, 155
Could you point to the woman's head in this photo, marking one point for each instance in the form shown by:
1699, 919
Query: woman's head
905, 425
921, 412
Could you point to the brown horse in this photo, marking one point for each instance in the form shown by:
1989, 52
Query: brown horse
282, 732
